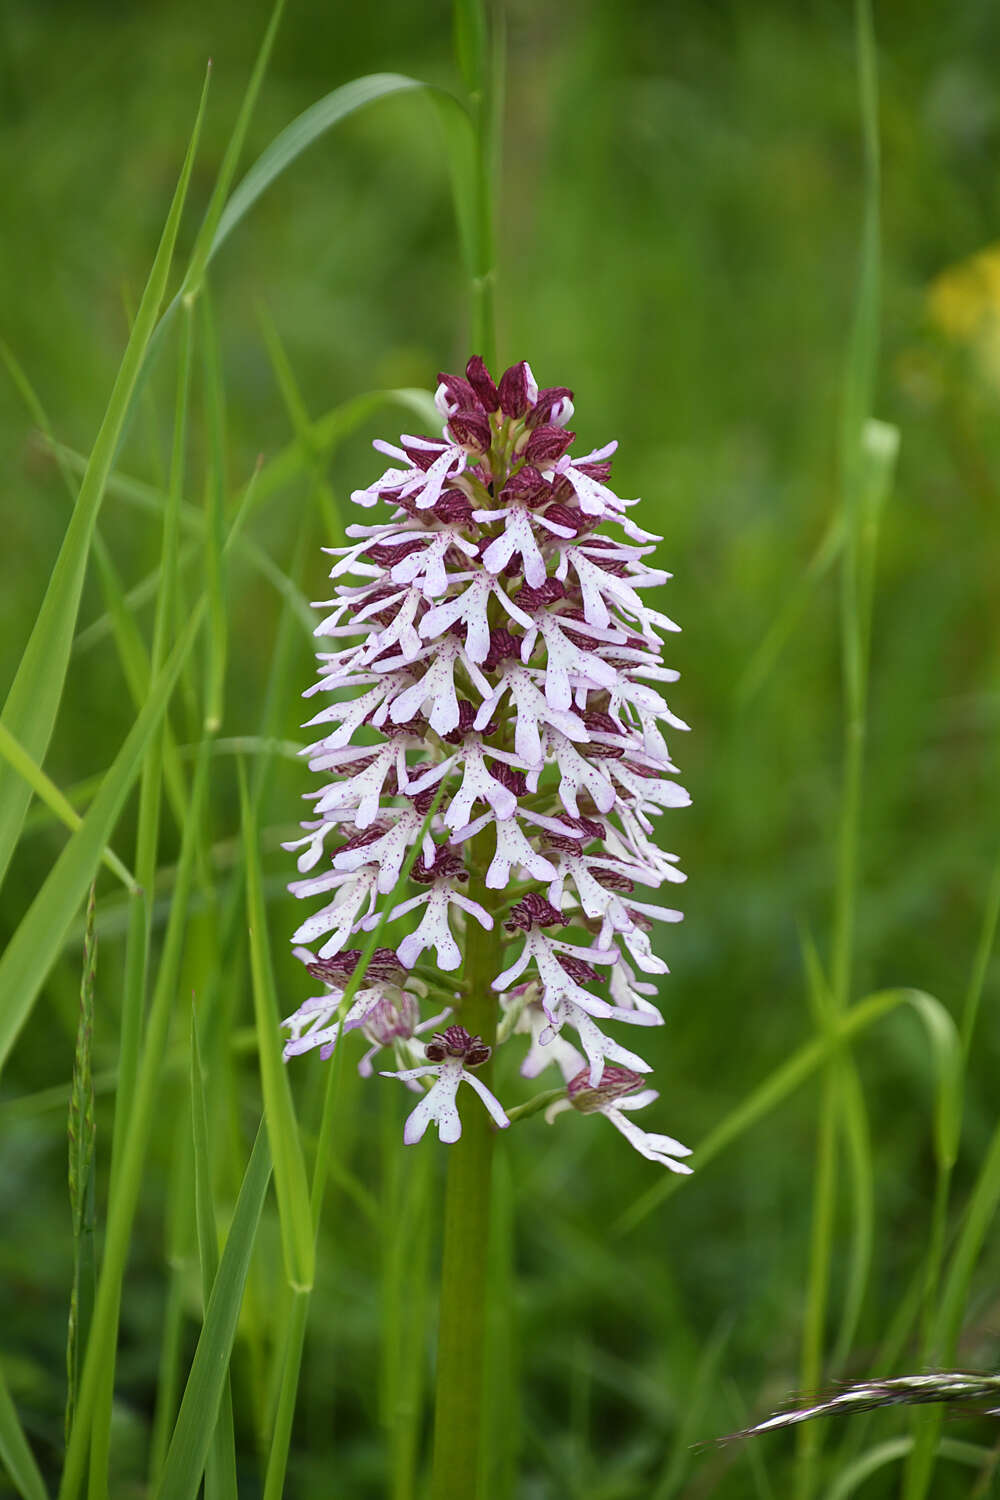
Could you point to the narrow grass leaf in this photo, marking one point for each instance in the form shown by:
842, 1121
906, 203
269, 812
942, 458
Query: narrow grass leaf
215, 522
220, 1466
291, 1188
302, 133
82, 1132
117, 619
33, 701
776, 1088
847, 1483
196, 1420
705, 1375
96, 1385
16, 756
208, 233
37, 941
15, 1453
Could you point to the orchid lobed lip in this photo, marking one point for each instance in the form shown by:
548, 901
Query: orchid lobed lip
492, 639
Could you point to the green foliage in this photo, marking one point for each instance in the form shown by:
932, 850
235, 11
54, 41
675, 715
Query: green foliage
683, 194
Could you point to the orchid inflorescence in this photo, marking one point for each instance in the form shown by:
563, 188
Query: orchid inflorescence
496, 676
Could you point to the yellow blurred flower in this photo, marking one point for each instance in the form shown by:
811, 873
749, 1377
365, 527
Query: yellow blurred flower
964, 305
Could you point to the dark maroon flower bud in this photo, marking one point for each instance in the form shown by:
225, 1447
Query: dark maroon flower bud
554, 396
562, 842
651, 773
597, 750
640, 919
503, 646
466, 718
533, 910
456, 1042
412, 728
580, 970
600, 722
509, 776
529, 599
615, 1083
548, 593
453, 507
384, 556
570, 516
446, 865
472, 430
482, 383
582, 642
526, 487
589, 828
458, 393
600, 471
612, 880
547, 444
360, 840
419, 456
517, 390
423, 801
383, 965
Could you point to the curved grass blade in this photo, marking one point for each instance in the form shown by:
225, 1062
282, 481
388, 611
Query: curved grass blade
291, 1188
975, 1455
15, 1453
220, 1463
117, 619
96, 1386
82, 1137
303, 132
33, 701
36, 944
16, 756
787, 1078
196, 1420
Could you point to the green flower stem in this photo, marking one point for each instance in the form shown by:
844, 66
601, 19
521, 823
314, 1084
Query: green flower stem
461, 1330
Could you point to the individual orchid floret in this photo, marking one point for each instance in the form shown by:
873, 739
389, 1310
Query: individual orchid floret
621, 1090
493, 759
450, 1054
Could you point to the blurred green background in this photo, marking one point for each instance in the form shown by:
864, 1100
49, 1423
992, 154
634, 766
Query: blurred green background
678, 227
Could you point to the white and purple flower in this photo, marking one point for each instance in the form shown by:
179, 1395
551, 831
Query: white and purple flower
494, 647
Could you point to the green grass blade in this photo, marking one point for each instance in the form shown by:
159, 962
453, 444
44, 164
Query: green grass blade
764, 659
117, 619
291, 1187
302, 133
220, 1466
775, 1089
179, 1238
208, 233
196, 1420
974, 1455
82, 1136
321, 491
16, 756
705, 1375
215, 523
94, 1408
33, 701
15, 1453
856, 1136
35, 945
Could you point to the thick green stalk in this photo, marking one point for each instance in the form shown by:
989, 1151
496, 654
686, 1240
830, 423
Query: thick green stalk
462, 1325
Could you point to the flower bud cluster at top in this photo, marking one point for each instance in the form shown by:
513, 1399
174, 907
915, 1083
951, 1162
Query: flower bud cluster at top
492, 634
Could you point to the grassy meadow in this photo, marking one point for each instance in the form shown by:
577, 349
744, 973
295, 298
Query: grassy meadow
692, 232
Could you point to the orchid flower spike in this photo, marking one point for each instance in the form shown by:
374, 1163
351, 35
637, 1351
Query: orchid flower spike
492, 666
